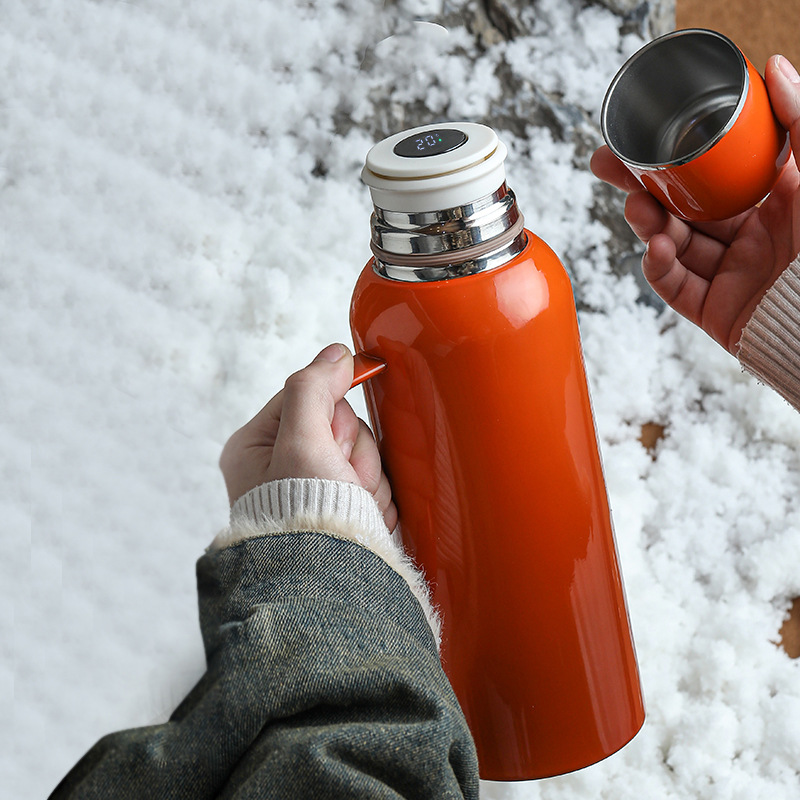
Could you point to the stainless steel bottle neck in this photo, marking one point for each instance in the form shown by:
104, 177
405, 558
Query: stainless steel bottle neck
451, 243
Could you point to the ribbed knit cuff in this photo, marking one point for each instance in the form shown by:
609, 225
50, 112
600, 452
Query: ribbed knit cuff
339, 509
340, 504
770, 343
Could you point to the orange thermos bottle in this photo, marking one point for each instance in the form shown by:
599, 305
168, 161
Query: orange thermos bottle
484, 423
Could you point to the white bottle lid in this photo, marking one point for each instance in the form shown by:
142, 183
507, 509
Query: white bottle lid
435, 167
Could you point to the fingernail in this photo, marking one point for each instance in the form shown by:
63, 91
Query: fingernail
788, 69
347, 448
333, 352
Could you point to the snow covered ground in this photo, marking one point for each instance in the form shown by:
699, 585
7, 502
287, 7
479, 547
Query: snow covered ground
182, 225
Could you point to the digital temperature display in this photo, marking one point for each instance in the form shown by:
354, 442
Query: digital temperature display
430, 143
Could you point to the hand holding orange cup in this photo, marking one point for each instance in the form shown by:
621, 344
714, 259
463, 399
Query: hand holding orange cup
690, 117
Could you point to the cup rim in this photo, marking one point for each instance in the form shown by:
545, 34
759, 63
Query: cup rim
661, 165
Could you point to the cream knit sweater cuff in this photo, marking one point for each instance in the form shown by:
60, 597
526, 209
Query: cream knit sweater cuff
770, 343
338, 509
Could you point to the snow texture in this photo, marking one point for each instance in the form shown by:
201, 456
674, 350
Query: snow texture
182, 225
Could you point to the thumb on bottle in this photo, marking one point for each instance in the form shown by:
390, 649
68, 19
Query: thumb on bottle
339, 376
332, 353
310, 395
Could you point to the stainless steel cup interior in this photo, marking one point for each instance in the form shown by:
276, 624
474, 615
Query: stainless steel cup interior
675, 98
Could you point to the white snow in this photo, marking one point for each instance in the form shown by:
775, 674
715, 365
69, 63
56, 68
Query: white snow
168, 257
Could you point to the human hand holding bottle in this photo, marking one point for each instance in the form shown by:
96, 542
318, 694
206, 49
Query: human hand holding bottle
715, 273
308, 430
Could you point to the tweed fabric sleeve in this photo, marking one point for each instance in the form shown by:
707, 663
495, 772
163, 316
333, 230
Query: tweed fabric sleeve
323, 681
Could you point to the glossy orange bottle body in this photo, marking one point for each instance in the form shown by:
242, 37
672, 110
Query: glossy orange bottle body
484, 424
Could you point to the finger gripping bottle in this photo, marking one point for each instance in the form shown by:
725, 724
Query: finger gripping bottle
485, 427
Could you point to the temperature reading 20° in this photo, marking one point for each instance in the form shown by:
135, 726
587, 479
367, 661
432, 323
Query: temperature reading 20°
430, 143
427, 142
